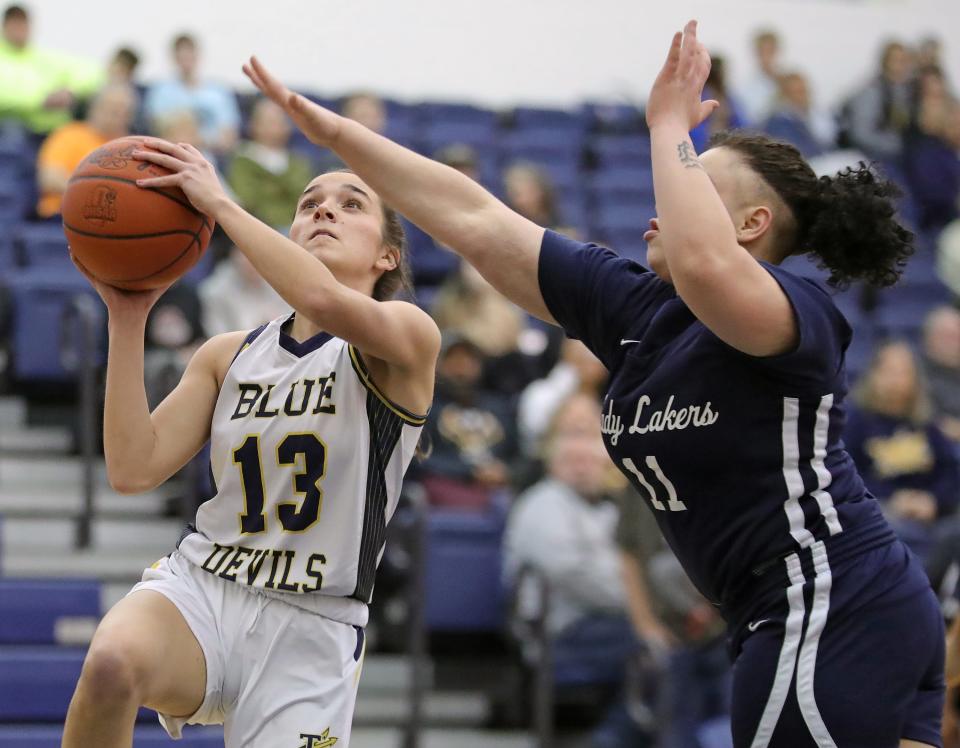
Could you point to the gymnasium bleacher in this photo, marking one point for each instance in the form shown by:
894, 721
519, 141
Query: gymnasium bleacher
51, 592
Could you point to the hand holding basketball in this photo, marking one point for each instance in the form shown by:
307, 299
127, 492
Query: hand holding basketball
677, 92
191, 172
132, 238
122, 303
320, 125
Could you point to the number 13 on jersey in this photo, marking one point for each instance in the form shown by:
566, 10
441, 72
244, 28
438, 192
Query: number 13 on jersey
673, 503
307, 454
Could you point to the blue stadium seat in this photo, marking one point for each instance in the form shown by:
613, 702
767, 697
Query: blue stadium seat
621, 187
42, 244
43, 736
463, 579
8, 259
430, 264
556, 120
430, 113
40, 298
11, 203
36, 683
621, 152
481, 136
613, 118
545, 147
31, 608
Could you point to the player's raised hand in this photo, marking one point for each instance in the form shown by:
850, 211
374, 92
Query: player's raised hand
320, 125
192, 173
677, 92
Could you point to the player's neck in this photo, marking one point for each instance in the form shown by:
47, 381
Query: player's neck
302, 328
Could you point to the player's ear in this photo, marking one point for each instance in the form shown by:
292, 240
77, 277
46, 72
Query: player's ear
389, 258
756, 221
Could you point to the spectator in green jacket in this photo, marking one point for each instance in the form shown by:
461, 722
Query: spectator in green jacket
266, 176
39, 88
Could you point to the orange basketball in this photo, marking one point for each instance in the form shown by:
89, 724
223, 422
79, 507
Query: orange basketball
129, 236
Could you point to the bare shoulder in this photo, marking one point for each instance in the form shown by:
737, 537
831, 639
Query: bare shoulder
216, 354
423, 333
407, 380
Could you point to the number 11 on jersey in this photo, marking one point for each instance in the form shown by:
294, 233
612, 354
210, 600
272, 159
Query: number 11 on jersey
673, 503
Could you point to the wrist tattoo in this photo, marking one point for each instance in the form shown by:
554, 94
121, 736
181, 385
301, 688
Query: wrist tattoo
688, 157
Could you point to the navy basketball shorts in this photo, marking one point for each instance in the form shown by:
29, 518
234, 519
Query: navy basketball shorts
844, 657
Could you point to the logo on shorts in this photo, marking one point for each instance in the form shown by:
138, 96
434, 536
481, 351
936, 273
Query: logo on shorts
322, 740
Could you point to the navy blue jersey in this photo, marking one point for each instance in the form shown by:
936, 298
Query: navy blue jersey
740, 457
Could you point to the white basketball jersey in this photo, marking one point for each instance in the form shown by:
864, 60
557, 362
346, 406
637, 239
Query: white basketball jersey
308, 458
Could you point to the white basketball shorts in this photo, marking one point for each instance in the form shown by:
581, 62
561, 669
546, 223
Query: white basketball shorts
278, 676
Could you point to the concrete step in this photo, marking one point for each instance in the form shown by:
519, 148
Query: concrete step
112, 566
458, 709
364, 737
27, 440
58, 534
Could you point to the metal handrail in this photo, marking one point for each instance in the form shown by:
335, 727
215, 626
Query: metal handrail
417, 629
78, 354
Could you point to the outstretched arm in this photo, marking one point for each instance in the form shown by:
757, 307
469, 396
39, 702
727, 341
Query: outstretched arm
503, 245
724, 286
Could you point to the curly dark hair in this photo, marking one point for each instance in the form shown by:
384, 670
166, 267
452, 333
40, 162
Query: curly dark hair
847, 222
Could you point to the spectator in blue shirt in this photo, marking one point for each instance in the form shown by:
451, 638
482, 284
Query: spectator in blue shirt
213, 106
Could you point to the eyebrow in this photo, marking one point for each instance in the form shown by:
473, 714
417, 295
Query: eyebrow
345, 185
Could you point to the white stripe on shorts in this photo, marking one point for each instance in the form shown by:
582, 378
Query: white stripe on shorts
788, 655
806, 664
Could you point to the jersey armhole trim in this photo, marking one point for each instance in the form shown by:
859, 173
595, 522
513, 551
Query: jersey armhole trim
251, 336
361, 369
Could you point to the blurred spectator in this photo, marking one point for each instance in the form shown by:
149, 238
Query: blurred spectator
517, 350
879, 115
109, 116
468, 305
587, 611
174, 332
672, 617
568, 510
929, 52
948, 251
795, 120
265, 175
461, 157
941, 365
40, 87
931, 160
366, 108
530, 193
122, 67
728, 116
759, 92
471, 431
577, 371
236, 297
213, 106
904, 458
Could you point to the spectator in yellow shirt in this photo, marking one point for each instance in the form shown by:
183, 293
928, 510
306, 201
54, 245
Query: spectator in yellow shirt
109, 117
39, 88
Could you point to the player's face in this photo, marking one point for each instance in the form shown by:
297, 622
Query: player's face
339, 219
729, 177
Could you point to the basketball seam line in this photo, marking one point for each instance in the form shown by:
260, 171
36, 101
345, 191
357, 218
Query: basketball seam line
195, 239
155, 190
